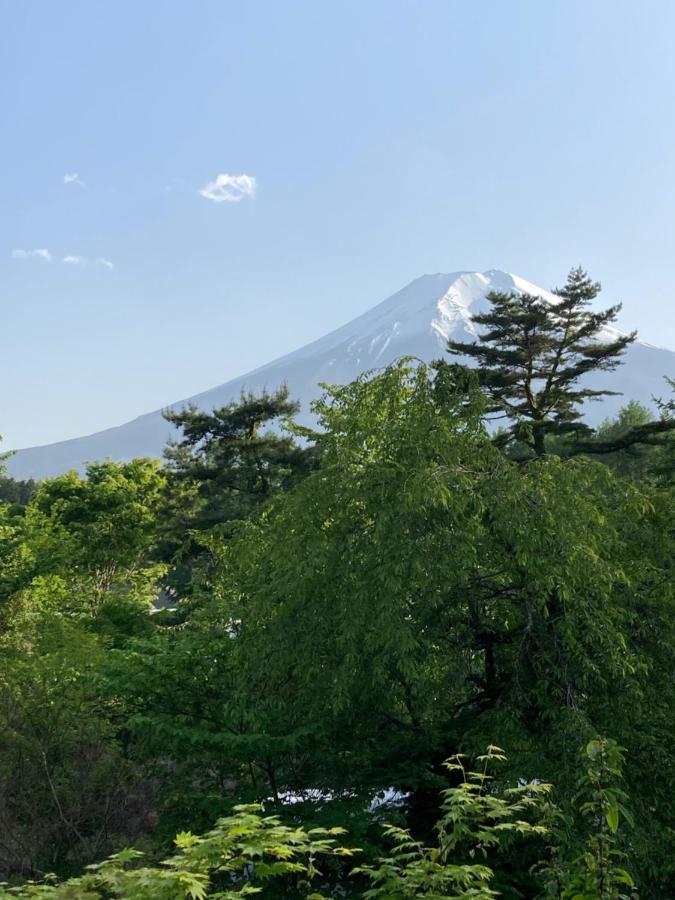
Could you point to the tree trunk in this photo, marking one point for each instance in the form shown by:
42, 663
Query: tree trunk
538, 436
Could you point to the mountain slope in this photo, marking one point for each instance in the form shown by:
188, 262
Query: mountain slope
416, 321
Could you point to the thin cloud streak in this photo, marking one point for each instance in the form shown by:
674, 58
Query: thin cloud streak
40, 253
70, 259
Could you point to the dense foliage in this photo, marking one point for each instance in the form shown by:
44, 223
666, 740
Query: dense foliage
348, 610
480, 824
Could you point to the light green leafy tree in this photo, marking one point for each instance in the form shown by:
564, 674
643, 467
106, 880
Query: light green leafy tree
477, 820
242, 855
598, 872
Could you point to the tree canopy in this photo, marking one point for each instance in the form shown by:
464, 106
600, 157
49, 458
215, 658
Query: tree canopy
356, 612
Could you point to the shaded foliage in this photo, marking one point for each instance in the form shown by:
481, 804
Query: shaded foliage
354, 605
13, 491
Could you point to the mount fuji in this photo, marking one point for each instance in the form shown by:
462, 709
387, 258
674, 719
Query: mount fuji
416, 321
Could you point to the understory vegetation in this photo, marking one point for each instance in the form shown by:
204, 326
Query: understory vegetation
284, 661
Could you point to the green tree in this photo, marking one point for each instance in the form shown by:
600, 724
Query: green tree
633, 444
478, 821
598, 871
13, 491
244, 854
532, 355
227, 464
76, 578
234, 457
636, 460
67, 793
83, 547
410, 594
482, 823
97, 533
415, 596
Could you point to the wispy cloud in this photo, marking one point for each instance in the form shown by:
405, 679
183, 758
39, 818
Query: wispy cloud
83, 261
229, 188
70, 259
40, 253
73, 178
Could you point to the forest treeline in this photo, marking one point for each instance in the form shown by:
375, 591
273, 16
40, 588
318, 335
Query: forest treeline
285, 659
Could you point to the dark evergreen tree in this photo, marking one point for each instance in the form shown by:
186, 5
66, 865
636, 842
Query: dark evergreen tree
13, 491
532, 356
233, 456
228, 463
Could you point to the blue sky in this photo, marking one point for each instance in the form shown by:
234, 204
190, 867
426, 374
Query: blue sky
386, 139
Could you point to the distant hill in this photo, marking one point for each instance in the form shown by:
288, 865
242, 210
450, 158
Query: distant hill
416, 321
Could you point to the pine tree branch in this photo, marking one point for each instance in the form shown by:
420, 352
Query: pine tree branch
652, 434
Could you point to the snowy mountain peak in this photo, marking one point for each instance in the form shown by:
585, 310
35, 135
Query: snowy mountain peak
416, 321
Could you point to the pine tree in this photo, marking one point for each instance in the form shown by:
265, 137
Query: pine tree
227, 464
532, 356
634, 445
233, 456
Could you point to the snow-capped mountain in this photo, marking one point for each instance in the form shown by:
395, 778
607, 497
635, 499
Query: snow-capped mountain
416, 321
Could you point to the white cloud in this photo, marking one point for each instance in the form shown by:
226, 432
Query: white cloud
229, 188
32, 254
73, 178
70, 259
